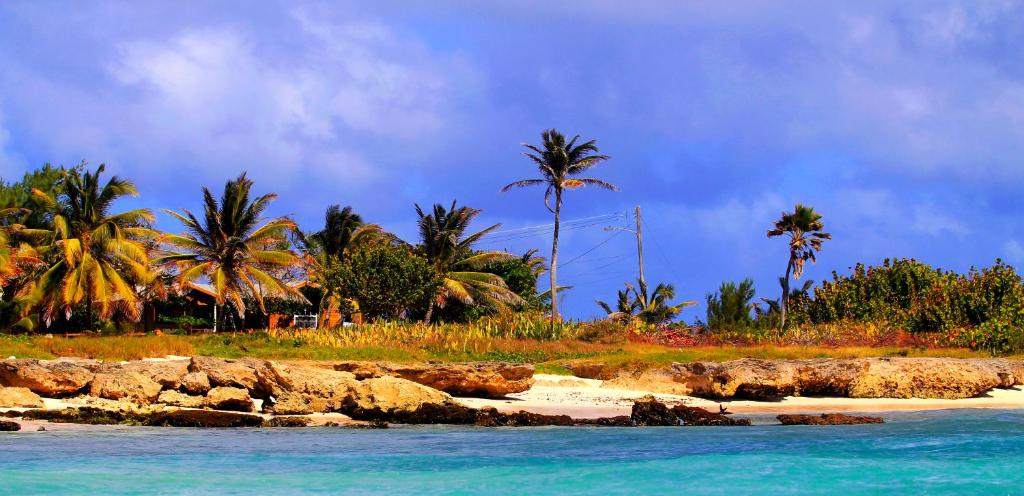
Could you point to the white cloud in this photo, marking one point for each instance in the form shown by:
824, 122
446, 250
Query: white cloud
1013, 251
10, 164
928, 219
220, 99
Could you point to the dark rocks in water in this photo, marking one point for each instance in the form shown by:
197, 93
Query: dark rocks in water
8, 426
490, 417
202, 418
691, 415
289, 421
619, 421
649, 412
84, 415
828, 419
173, 418
374, 424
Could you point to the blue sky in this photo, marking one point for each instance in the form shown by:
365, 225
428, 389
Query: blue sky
902, 122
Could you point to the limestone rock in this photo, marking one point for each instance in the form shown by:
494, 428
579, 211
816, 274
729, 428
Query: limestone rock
946, 378
19, 397
748, 378
120, 383
230, 399
392, 394
195, 383
245, 373
301, 390
48, 378
485, 379
175, 398
168, 373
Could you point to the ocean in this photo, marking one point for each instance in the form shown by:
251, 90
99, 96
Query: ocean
947, 452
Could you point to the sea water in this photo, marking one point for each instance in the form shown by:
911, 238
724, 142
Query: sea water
949, 452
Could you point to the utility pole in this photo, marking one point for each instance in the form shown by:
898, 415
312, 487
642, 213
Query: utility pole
640, 247
638, 232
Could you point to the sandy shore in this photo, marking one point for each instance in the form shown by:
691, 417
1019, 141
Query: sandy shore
588, 398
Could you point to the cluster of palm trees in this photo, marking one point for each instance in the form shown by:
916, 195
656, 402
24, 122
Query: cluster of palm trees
81, 254
87, 256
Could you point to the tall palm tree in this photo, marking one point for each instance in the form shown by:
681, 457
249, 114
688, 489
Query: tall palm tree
445, 244
99, 260
559, 163
233, 247
344, 230
804, 228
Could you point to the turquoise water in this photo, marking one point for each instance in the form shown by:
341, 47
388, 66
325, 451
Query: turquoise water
952, 452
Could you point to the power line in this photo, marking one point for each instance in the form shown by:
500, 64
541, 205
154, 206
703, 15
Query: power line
609, 238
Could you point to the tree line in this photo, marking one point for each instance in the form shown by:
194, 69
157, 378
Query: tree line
66, 250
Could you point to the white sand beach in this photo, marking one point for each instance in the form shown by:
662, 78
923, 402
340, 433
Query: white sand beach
590, 398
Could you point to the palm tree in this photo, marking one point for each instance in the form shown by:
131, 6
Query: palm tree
15, 256
99, 259
234, 248
635, 302
656, 307
559, 162
445, 244
625, 306
343, 231
805, 230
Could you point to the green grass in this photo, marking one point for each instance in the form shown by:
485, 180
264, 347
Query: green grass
549, 356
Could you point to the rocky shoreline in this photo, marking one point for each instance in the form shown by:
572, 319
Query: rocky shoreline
770, 380
212, 392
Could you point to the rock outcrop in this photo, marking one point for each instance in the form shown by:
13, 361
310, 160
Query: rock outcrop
182, 400
196, 383
168, 373
828, 419
48, 378
485, 379
755, 379
122, 383
229, 399
19, 397
8, 426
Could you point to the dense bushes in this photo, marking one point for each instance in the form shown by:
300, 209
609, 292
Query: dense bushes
387, 281
914, 296
982, 310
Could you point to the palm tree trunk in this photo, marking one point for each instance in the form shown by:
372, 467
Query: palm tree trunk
430, 312
784, 302
554, 256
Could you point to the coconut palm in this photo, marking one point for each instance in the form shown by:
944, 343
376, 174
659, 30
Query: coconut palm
655, 307
445, 244
240, 253
625, 306
15, 255
804, 228
559, 163
343, 231
99, 260
650, 307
